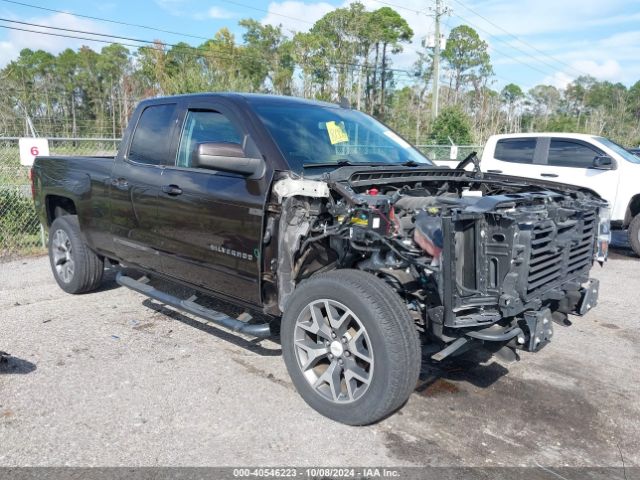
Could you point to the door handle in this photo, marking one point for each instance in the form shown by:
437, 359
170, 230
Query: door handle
494, 171
120, 183
552, 175
172, 190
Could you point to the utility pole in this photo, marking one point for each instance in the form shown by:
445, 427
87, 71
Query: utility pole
439, 11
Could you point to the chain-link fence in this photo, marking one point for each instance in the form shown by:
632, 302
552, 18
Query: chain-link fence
20, 230
441, 154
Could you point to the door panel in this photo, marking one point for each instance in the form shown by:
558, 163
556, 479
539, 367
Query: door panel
133, 196
135, 186
211, 232
571, 162
209, 223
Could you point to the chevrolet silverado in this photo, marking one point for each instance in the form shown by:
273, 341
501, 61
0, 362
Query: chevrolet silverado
350, 242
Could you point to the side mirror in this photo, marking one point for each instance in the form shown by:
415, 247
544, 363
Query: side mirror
227, 157
603, 162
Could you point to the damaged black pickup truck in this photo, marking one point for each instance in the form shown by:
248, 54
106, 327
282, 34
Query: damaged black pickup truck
355, 246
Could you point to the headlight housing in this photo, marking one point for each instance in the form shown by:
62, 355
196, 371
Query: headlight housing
604, 234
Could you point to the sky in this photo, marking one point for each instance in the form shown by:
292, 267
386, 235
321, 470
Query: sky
531, 42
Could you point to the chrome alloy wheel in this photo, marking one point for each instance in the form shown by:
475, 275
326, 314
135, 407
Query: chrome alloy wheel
333, 351
62, 256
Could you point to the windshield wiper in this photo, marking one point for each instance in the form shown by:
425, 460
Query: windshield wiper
347, 163
339, 163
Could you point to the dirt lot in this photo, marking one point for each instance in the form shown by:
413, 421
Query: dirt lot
110, 378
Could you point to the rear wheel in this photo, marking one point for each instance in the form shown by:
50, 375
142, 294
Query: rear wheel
350, 346
634, 234
75, 267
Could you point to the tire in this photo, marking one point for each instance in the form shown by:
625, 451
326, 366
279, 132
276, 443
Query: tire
634, 234
377, 344
76, 268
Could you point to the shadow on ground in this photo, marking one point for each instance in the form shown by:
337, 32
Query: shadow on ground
219, 332
476, 367
15, 366
109, 280
620, 247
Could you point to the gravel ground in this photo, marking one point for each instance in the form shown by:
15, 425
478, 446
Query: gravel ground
111, 378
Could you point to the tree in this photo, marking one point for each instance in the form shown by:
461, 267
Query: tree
543, 100
341, 38
512, 95
452, 124
467, 57
113, 65
266, 57
348, 53
316, 73
576, 95
151, 72
387, 30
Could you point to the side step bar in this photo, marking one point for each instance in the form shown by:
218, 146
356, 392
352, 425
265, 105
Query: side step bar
260, 330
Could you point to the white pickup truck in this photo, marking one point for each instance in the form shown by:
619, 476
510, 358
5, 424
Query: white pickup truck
577, 159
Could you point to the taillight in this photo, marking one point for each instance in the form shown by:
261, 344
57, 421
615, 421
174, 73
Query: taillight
33, 185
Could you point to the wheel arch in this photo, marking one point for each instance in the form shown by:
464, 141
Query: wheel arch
57, 206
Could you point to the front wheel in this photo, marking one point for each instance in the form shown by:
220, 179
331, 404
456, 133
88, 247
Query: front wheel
75, 267
634, 234
350, 346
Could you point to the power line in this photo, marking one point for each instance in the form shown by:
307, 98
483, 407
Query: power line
419, 12
186, 48
409, 48
7, 27
389, 4
516, 59
533, 47
108, 20
232, 2
553, 68
85, 32
267, 11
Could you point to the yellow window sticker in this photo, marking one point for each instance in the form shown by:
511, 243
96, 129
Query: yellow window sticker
337, 133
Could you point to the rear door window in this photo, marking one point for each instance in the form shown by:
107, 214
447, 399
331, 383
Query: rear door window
516, 150
152, 137
568, 153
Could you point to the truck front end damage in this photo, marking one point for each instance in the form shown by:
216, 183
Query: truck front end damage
492, 261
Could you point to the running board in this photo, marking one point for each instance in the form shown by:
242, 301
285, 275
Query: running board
260, 330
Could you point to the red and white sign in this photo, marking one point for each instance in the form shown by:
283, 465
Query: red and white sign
30, 148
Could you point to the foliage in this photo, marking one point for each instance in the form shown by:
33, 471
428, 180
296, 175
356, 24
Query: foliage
452, 123
468, 57
347, 54
17, 215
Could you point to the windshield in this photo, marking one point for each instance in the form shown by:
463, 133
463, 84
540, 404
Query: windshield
623, 152
311, 136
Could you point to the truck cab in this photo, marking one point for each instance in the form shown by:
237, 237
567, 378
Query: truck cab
589, 161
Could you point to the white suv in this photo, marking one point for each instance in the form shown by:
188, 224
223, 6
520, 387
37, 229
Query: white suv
584, 160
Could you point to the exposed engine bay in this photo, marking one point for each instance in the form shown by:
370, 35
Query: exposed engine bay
477, 259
